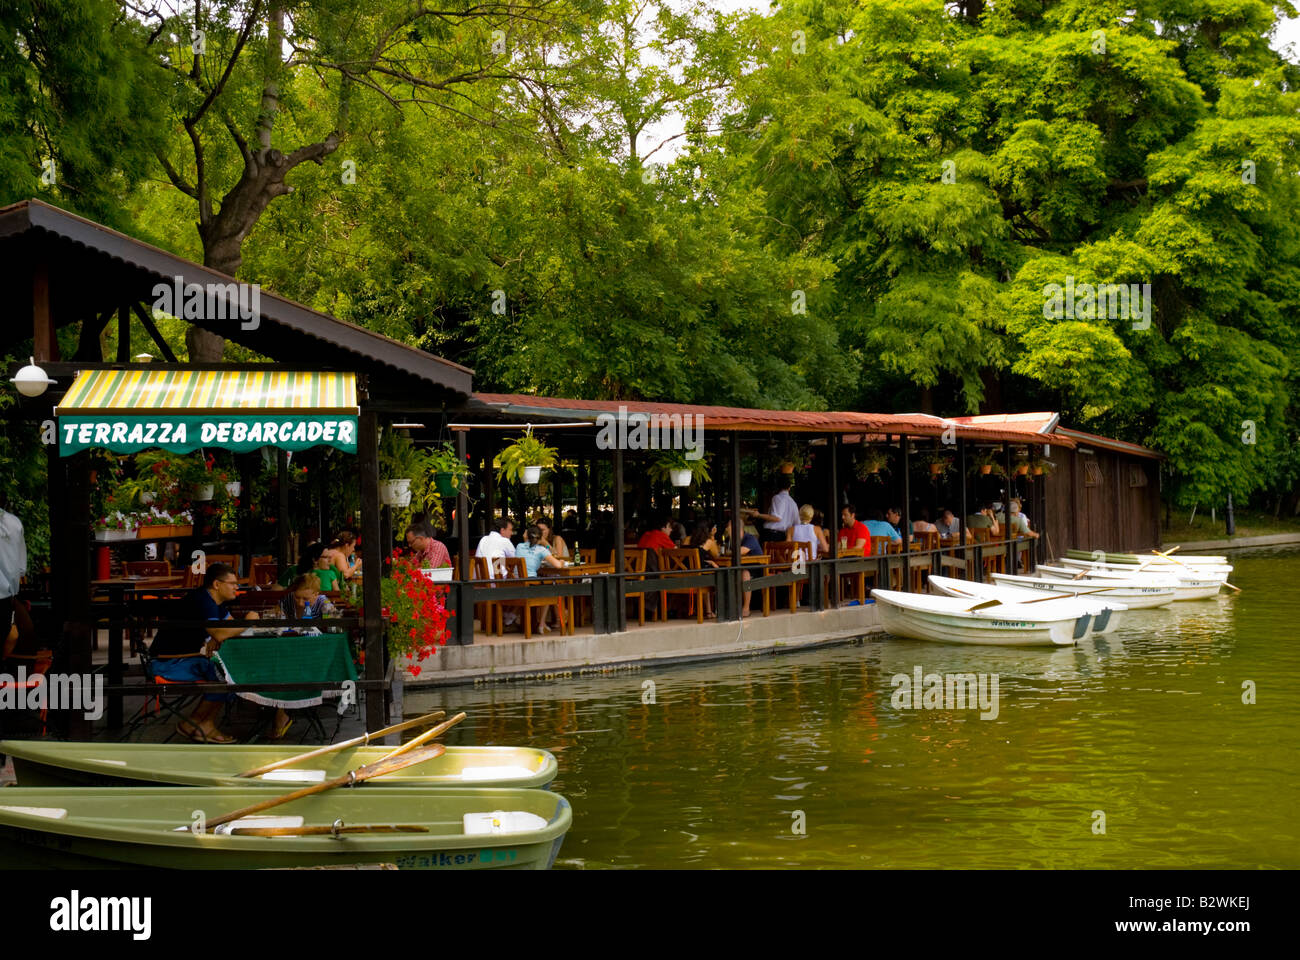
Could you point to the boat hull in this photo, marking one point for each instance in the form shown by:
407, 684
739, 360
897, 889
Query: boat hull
1012, 630
113, 827
1185, 587
49, 763
1134, 597
1106, 616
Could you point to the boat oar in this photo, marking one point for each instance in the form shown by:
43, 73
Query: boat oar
333, 831
423, 738
360, 741
360, 775
1067, 596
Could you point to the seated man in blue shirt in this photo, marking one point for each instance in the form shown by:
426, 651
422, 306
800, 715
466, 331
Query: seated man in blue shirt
181, 653
877, 527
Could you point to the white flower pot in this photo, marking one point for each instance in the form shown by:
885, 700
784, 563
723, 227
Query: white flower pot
532, 474
437, 573
204, 491
680, 478
234, 488
146, 498
395, 493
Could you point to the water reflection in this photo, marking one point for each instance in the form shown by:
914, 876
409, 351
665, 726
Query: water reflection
1146, 725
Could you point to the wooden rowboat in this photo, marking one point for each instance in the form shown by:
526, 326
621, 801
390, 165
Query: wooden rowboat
1134, 594
1105, 615
923, 616
49, 763
413, 827
1151, 559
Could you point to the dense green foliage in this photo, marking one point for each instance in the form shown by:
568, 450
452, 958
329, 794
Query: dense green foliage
864, 207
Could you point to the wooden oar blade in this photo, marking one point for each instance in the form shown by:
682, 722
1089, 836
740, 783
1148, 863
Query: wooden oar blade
354, 742
388, 765
983, 605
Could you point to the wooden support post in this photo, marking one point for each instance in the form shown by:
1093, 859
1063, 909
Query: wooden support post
282, 512
620, 615
462, 631
45, 343
905, 578
124, 334
961, 517
1006, 509
582, 495
833, 479
736, 595
371, 566
78, 627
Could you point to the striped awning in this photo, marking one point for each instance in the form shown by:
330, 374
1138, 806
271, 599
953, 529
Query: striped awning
184, 409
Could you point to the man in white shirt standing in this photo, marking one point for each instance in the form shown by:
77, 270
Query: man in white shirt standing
783, 515
13, 564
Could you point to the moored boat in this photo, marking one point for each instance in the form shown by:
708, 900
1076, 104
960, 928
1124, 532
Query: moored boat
1134, 594
54, 763
412, 827
1187, 585
923, 616
1156, 559
1105, 614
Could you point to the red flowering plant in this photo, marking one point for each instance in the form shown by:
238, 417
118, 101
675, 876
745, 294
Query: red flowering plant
416, 610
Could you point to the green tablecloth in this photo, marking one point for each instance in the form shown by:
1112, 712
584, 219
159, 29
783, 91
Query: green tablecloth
284, 660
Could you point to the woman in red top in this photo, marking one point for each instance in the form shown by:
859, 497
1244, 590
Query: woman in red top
656, 538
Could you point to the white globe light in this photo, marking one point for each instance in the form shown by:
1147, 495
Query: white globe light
31, 380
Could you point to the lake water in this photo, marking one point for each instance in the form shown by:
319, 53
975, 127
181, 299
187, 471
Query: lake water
802, 760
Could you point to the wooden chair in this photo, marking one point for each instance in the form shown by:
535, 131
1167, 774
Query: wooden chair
782, 554
993, 560
485, 612
848, 580
264, 574
634, 561
682, 562
879, 547
919, 567
516, 570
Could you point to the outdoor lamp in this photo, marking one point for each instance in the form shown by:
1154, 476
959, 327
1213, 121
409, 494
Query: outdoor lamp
31, 380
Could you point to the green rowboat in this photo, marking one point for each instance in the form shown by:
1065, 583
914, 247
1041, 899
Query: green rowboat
115, 827
49, 763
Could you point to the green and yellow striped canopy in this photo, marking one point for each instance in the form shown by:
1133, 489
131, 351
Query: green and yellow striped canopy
182, 410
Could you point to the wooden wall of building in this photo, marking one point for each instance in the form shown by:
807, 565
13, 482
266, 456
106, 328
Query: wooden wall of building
1102, 500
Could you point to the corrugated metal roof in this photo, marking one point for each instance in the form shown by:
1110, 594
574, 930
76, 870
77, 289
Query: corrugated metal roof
1120, 446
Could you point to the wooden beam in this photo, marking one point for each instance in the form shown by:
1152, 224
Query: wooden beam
124, 334
88, 347
147, 322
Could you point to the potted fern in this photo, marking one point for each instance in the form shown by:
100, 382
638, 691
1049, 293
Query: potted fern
524, 459
794, 457
939, 463
986, 463
400, 463
871, 461
678, 469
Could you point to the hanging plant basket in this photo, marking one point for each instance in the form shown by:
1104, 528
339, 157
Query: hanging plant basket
937, 468
234, 488
986, 469
787, 467
531, 474
395, 493
445, 483
680, 477
204, 491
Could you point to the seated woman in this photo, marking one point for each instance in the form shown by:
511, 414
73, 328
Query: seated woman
328, 577
923, 525
552, 539
304, 601
534, 553
806, 531
341, 555
704, 539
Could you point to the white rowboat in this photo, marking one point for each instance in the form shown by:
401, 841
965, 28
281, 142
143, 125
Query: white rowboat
1105, 614
922, 616
1134, 594
1187, 586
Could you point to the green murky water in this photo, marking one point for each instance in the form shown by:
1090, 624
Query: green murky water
1146, 726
